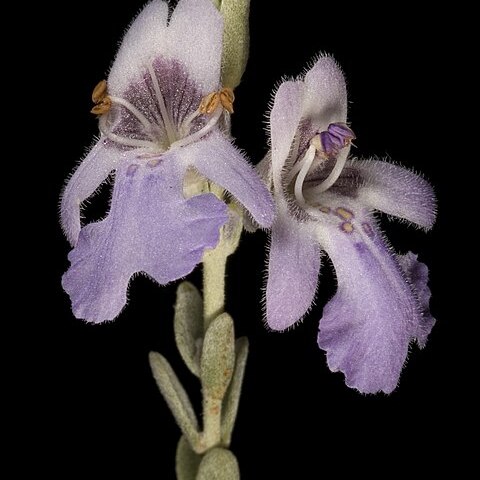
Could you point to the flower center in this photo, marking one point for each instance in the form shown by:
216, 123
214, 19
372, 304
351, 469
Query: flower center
326, 145
161, 135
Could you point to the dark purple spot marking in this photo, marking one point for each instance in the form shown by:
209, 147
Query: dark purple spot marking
132, 169
361, 247
367, 228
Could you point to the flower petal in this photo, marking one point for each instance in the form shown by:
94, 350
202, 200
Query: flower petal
145, 40
264, 171
90, 174
367, 326
417, 274
284, 120
218, 160
395, 190
293, 269
151, 228
325, 99
195, 36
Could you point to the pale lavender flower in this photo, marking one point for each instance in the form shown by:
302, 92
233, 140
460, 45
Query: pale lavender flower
325, 201
156, 139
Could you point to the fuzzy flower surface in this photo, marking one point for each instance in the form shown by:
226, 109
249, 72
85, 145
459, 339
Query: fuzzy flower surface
326, 202
163, 120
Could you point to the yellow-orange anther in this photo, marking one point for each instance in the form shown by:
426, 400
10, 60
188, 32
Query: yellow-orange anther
227, 98
210, 102
100, 98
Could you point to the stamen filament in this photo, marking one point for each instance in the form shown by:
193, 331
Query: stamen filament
333, 177
135, 112
128, 142
188, 121
163, 108
306, 163
202, 132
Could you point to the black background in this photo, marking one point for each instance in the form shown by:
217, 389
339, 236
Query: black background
100, 412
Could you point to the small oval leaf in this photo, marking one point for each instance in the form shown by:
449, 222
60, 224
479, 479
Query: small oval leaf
218, 464
186, 461
175, 396
218, 357
188, 325
232, 397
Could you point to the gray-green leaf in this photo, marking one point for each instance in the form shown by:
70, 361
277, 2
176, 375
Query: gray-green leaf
218, 357
218, 464
232, 398
188, 325
175, 396
187, 461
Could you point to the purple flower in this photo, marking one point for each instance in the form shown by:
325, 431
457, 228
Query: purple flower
325, 201
162, 142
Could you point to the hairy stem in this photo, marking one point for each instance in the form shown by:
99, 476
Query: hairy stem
214, 267
212, 416
213, 286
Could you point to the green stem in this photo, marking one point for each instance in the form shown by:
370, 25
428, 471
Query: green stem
212, 426
214, 266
